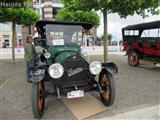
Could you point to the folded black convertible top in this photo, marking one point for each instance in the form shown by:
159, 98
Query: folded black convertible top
40, 25
142, 26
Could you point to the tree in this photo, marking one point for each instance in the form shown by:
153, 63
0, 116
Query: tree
78, 16
100, 40
17, 15
122, 7
71, 13
109, 37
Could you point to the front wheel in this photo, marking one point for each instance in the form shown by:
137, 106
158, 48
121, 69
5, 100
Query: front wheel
38, 99
133, 58
107, 84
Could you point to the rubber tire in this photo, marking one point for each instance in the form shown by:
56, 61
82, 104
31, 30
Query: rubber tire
34, 98
137, 55
111, 99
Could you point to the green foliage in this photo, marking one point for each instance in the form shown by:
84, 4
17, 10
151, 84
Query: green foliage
78, 16
29, 17
23, 15
13, 1
100, 40
72, 12
122, 7
135, 6
109, 37
96, 4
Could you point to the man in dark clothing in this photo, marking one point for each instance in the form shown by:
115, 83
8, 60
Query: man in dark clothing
28, 50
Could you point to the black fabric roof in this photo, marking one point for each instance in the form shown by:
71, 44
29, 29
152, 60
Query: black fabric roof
42, 23
142, 26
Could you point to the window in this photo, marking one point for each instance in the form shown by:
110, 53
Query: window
131, 32
20, 42
136, 32
153, 33
5, 26
18, 28
56, 35
144, 33
150, 33
42, 13
39, 1
126, 32
5, 36
6, 42
62, 34
56, 1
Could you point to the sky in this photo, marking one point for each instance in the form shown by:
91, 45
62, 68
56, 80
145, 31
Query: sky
115, 23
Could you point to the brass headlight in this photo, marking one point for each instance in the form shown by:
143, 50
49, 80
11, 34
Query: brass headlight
56, 70
95, 67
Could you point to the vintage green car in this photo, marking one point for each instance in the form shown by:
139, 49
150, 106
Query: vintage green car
60, 61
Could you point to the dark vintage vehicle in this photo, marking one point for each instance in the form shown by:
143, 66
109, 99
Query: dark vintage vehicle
60, 62
142, 43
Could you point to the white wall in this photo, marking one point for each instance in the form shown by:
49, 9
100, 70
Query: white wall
98, 50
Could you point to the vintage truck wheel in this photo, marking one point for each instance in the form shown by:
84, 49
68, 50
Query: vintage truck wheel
38, 99
133, 58
107, 84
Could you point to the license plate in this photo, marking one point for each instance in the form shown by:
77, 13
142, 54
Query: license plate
75, 94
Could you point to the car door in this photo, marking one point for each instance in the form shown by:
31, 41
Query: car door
148, 42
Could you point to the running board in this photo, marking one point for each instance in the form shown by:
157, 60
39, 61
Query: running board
149, 62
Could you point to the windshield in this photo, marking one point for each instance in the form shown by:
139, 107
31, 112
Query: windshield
63, 34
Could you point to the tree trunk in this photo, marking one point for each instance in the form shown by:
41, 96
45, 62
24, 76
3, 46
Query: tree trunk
105, 36
13, 41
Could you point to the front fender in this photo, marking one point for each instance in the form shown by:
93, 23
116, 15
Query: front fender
37, 75
110, 67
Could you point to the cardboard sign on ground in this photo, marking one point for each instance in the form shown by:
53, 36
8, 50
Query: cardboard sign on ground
84, 107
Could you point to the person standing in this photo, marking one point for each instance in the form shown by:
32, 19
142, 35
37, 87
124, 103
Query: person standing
29, 57
35, 33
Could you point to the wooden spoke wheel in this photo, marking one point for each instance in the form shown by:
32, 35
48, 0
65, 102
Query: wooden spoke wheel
133, 58
38, 99
107, 84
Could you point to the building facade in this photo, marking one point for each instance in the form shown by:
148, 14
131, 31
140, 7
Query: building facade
45, 8
6, 35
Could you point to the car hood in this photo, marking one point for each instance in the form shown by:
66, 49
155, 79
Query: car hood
60, 53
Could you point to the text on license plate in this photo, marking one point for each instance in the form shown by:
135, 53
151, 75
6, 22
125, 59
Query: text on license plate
75, 94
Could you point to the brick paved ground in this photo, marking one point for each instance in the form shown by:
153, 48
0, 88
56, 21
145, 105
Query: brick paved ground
136, 88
